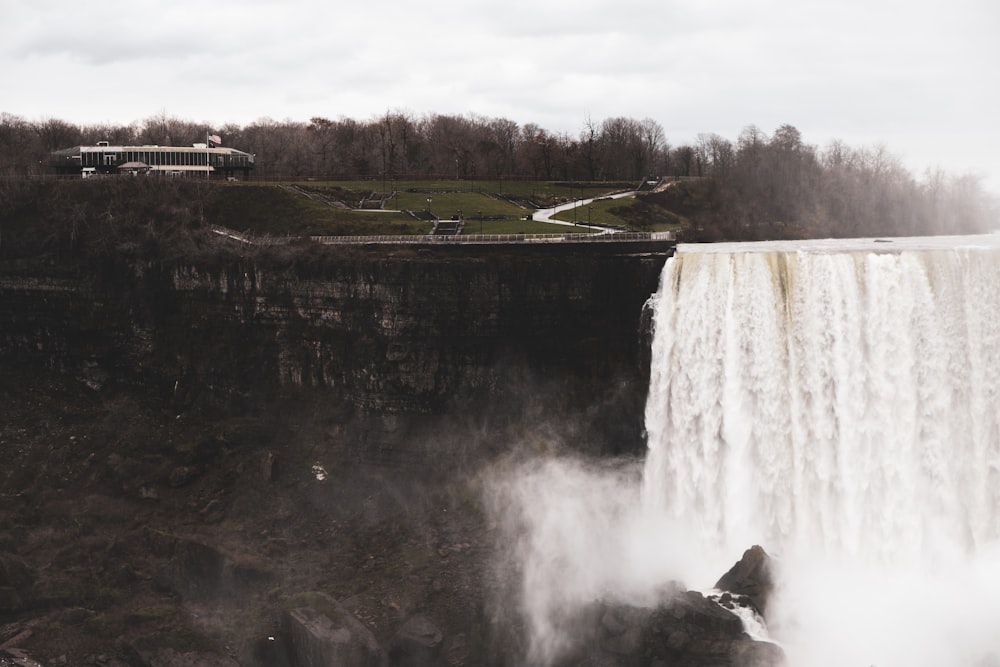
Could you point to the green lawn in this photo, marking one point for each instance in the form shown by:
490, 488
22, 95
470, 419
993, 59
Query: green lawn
448, 197
268, 210
448, 204
598, 211
271, 210
643, 218
520, 227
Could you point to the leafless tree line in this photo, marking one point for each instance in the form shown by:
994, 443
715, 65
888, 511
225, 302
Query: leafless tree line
763, 183
391, 145
778, 186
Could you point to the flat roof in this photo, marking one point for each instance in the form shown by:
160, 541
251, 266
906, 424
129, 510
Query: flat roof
105, 149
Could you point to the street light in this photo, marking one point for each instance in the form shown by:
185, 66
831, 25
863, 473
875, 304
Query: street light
480, 214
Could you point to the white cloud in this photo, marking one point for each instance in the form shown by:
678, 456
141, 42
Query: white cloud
917, 76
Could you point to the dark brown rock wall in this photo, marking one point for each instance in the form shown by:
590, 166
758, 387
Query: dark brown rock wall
198, 447
418, 334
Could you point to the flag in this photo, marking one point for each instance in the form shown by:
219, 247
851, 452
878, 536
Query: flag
214, 139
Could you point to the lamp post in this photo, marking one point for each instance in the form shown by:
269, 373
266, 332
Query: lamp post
480, 214
428, 205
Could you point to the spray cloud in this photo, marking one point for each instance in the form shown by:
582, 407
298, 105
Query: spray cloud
831, 401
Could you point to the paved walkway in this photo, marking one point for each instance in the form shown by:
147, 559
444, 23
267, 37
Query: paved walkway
429, 239
545, 214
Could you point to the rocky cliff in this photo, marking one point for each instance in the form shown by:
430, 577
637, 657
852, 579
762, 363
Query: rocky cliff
401, 331
196, 447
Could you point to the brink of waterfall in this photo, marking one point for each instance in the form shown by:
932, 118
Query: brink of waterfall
836, 402
833, 403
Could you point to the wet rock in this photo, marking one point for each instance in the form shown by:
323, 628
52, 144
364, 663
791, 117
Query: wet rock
8, 631
199, 568
621, 629
16, 581
181, 475
199, 571
270, 651
270, 467
331, 637
13, 657
750, 576
686, 629
320, 330
14, 572
168, 657
418, 643
10, 600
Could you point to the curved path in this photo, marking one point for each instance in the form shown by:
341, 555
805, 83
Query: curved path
545, 214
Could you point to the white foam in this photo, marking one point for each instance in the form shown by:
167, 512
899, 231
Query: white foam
835, 402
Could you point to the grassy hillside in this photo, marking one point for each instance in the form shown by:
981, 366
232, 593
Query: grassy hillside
269, 210
277, 211
171, 217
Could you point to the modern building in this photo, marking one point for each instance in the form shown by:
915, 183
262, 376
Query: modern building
204, 160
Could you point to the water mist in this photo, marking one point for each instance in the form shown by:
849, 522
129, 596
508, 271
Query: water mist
834, 402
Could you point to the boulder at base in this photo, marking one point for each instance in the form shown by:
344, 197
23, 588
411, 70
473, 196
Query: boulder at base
750, 576
688, 629
332, 636
685, 628
418, 643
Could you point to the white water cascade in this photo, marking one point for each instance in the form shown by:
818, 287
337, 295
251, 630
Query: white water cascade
837, 403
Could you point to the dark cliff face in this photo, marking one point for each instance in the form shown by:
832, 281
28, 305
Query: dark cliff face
379, 331
202, 446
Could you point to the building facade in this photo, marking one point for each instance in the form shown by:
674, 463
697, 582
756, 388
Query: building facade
202, 160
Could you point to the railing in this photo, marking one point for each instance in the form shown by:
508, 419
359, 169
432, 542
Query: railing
428, 239
497, 238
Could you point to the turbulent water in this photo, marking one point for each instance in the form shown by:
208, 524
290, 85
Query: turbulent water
836, 403
833, 402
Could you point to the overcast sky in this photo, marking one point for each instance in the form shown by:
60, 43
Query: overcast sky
917, 77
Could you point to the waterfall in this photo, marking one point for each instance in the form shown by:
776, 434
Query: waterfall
836, 403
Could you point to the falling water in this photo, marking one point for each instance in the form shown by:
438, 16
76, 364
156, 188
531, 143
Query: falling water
836, 403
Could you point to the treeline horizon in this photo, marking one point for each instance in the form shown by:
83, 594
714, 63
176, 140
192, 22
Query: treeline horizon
761, 181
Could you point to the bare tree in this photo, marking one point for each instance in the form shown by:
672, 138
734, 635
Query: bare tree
164, 130
278, 147
408, 140
683, 162
537, 151
617, 142
387, 143
116, 135
654, 144
19, 150
589, 138
55, 134
323, 139
505, 135
715, 154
